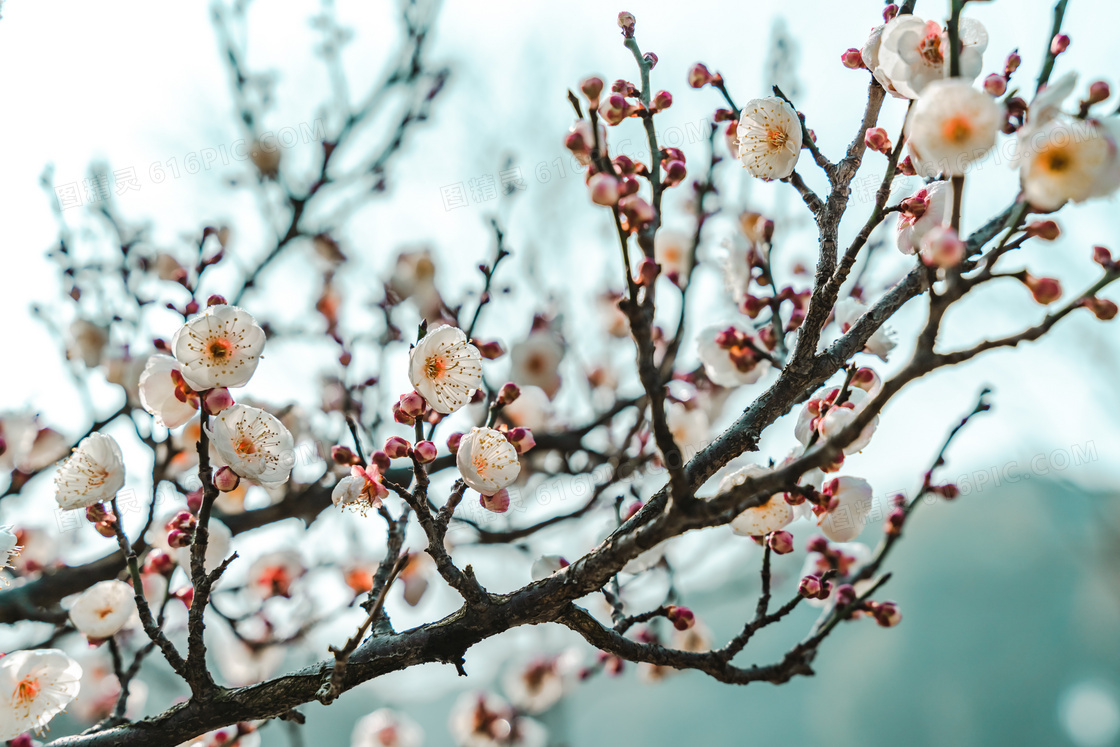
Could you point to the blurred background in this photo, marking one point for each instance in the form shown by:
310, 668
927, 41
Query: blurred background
1009, 594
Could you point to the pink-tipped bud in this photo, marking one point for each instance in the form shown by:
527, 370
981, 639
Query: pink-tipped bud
508, 394
453, 442
1059, 44
159, 562
1012, 64
217, 400
1098, 91
995, 85
1102, 256
889, 12
425, 452
638, 212
661, 100
1101, 308
1047, 230
648, 271
723, 115
675, 173
651, 59
96, 513
226, 480
682, 617
397, 448
194, 501
183, 520
906, 167
895, 520
780, 542
626, 22
412, 404
698, 76
817, 544
400, 416
845, 595
852, 59
810, 587
877, 139
521, 438
490, 350
497, 503
941, 247
591, 88
1045, 290
343, 455
887, 614
380, 460
605, 189
179, 538
216, 300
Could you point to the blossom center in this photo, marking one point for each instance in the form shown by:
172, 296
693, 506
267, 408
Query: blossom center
776, 139
481, 465
1057, 160
220, 349
27, 689
930, 49
435, 366
957, 129
246, 446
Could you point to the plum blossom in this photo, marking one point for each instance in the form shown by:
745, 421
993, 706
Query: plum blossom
445, 369
9, 551
926, 209
272, 574
671, 250
487, 720
950, 126
769, 138
35, 686
487, 461
758, 520
847, 509
536, 361
847, 313
164, 392
254, 444
823, 417
219, 348
103, 609
846, 557
361, 490
386, 728
537, 685
730, 356
92, 474
689, 427
908, 54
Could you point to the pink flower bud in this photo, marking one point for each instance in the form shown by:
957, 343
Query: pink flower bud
636, 210
698, 76
1059, 44
887, 614
226, 480
941, 247
1047, 230
810, 587
906, 167
648, 271
723, 115
591, 88
895, 520
342, 455
817, 544
412, 404
107, 527
194, 501
183, 520
845, 595
380, 460
216, 300
651, 59
1045, 290
995, 85
497, 503
508, 394
490, 350
630, 186
877, 139
889, 12
681, 617
780, 542
604, 189
453, 442
521, 438
159, 562
179, 538
626, 22
1012, 64
1101, 308
1098, 91
1102, 256
96, 513
675, 173
397, 448
425, 452
661, 100
852, 59
400, 416
624, 164
217, 400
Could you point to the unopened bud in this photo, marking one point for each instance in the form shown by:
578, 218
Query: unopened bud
845, 595
217, 400
521, 438
637, 211
1047, 230
424, 451
698, 76
995, 85
626, 22
675, 173
780, 542
216, 300
1102, 308
895, 520
605, 189
810, 587
179, 538
852, 59
651, 59
942, 247
497, 503
380, 460
185, 595
1098, 92
1012, 64
1059, 44
682, 617
661, 100
453, 442
1045, 290
159, 562
226, 480
591, 88
887, 614
648, 271
400, 416
508, 394
412, 404
889, 12
1102, 256
343, 455
906, 167
877, 139
490, 350
397, 448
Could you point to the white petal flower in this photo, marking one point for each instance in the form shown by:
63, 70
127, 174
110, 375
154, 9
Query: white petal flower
881, 343
769, 138
103, 609
1068, 160
387, 728
1047, 103
486, 720
93, 473
733, 364
950, 126
9, 551
35, 686
158, 392
689, 427
759, 520
535, 686
823, 417
536, 362
219, 348
911, 53
937, 202
445, 369
254, 444
853, 502
671, 250
487, 461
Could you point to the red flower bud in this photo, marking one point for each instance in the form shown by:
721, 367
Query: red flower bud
780, 542
412, 404
681, 617
698, 76
217, 400
995, 85
1047, 230
343, 455
497, 503
425, 452
852, 59
1059, 44
226, 480
521, 438
397, 448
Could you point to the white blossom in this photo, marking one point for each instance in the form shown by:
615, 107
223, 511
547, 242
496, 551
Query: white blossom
758, 520
158, 392
92, 474
487, 461
445, 369
821, 415
689, 427
671, 250
732, 366
536, 362
103, 609
910, 53
254, 444
936, 199
845, 521
769, 135
881, 343
486, 720
35, 686
219, 348
387, 728
535, 686
950, 126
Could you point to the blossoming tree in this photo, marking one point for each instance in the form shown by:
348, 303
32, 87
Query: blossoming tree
417, 472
